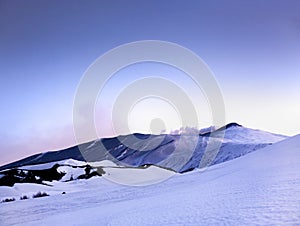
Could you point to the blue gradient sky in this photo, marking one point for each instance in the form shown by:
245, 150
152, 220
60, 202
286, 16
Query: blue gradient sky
253, 48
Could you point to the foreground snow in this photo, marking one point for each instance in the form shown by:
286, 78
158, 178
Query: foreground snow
260, 188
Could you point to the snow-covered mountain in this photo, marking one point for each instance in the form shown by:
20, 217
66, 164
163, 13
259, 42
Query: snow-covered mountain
236, 142
261, 188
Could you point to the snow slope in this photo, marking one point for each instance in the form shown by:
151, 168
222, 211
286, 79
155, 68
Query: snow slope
261, 188
48, 165
123, 175
137, 176
239, 134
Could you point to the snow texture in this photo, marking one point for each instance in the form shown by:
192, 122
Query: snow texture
261, 188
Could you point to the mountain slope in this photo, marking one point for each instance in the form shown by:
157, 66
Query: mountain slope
238, 141
261, 188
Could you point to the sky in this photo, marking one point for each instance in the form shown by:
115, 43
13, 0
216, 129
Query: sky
252, 47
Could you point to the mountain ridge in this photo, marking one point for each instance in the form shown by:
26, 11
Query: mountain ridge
238, 140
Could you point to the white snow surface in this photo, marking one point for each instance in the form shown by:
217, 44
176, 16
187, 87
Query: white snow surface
240, 134
261, 188
48, 165
70, 172
102, 163
136, 176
